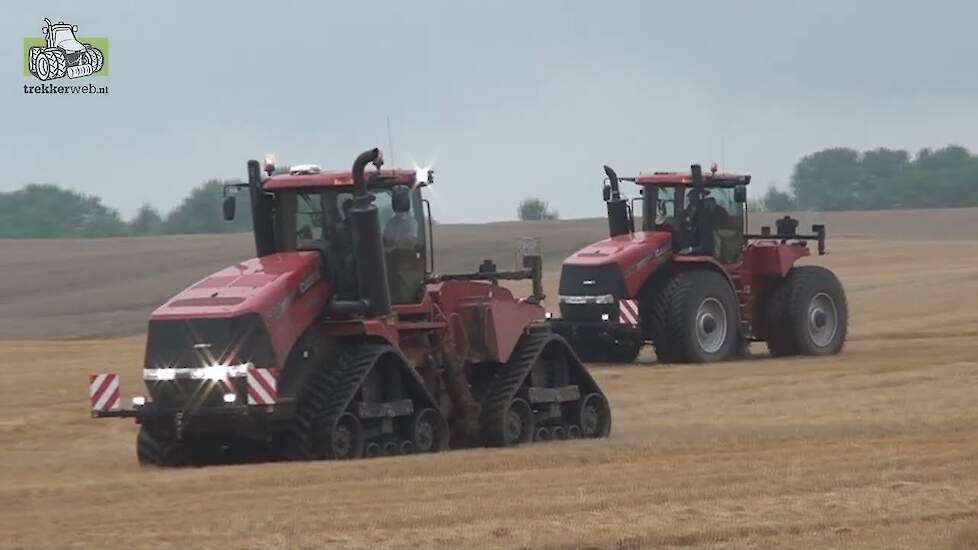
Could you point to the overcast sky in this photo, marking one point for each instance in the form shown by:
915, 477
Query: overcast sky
509, 98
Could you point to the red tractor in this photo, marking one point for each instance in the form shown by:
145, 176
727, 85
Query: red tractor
338, 340
693, 282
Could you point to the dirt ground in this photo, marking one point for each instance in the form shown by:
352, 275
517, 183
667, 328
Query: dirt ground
875, 448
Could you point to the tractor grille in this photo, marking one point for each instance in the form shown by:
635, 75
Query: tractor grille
576, 280
196, 343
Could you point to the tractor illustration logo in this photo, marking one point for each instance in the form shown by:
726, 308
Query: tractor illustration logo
63, 55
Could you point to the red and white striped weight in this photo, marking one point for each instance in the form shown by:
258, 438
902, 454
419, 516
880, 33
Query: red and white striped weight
103, 391
628, 312
262, 386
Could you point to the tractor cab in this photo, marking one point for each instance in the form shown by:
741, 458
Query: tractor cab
306, 208
62, 35
707, 218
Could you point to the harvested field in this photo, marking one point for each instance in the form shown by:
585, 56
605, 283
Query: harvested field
875, 448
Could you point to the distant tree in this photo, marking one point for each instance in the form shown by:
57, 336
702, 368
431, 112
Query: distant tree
827, 180
755, 205
844, 179
533, 208
147, 222
200, 212
46, 210
776, 200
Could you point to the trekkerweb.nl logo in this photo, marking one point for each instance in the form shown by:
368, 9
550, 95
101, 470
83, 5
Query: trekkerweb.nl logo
61, 53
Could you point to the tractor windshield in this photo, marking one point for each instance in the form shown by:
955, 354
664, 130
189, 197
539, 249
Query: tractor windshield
64, 38
307, 220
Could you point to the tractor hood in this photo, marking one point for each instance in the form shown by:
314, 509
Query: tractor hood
624, 250
619, 265
266, 286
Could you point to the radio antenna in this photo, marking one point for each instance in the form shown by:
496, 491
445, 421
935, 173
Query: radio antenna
390, 142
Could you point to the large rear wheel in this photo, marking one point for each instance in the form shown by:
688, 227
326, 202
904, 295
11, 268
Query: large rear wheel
694, 318
807, 314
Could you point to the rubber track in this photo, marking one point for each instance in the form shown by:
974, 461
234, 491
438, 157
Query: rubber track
504, 387
330, 395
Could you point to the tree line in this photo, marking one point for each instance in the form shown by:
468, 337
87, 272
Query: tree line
48, 211
880, 179
831, 179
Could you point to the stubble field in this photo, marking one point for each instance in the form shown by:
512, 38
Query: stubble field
875, 448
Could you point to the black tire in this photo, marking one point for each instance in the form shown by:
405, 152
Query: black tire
695, 318
594, 417
95, 58
624, 350
57, 62
155, 450
807, 314
513, 426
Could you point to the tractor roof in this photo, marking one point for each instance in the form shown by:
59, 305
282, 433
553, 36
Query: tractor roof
339, 178
670, 179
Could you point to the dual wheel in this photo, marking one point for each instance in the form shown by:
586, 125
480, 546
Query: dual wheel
694, 316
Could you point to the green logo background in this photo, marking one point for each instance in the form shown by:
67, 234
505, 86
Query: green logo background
99, 42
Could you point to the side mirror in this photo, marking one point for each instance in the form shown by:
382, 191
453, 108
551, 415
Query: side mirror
229, 206
740, 194
606, 193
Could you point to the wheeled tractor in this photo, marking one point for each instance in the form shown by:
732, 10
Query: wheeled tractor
693, 282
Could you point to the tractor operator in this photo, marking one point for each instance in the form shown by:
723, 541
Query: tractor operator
405, 266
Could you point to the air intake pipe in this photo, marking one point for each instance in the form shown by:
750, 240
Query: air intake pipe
261, 212
619, 221
368, 248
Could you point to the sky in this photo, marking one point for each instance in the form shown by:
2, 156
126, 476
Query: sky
508, 99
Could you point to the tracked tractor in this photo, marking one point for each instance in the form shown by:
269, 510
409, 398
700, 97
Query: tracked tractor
693, 282
63, 54
338, 340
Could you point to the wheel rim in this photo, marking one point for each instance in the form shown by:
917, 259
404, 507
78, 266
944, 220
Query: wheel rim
42, 67
558, 433
594, 417
345, 439
823, 320
711, 325
424, 432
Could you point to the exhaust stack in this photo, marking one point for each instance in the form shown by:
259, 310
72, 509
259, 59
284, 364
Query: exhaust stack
368, 248
261, 212
619, 221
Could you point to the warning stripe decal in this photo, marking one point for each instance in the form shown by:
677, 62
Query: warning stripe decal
103, 391
628, 312
262, 386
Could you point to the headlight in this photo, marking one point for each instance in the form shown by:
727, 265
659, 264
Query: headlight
604, 317
159, 374
237, 371
230, 398
138, 401
604, 299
